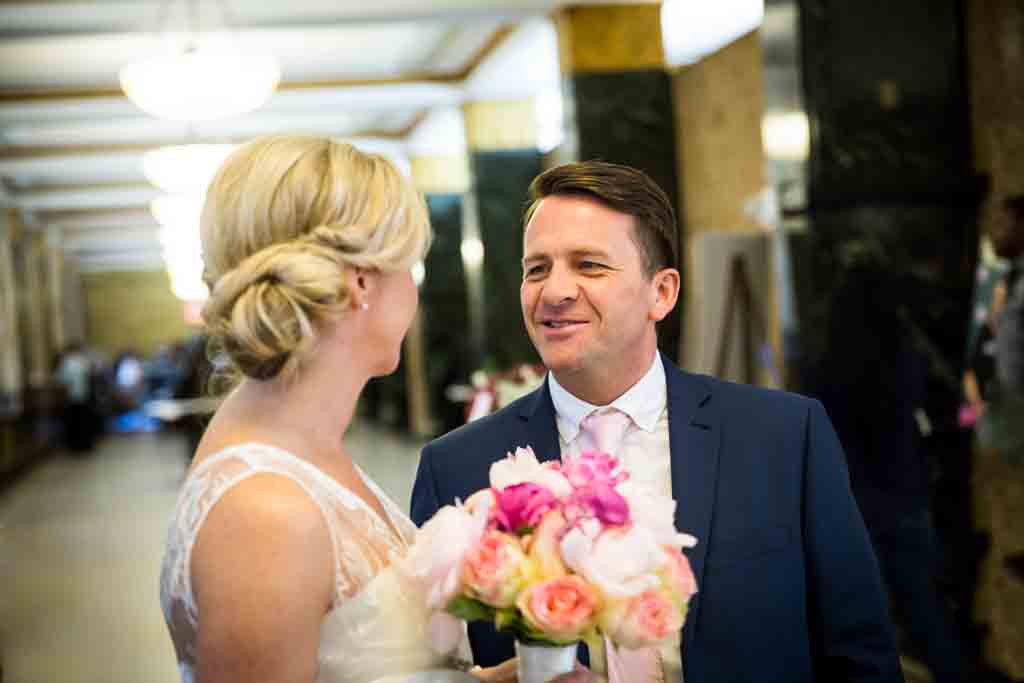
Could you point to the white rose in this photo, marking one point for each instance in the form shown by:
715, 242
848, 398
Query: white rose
434, 563
656, 513
621, 562
523, 467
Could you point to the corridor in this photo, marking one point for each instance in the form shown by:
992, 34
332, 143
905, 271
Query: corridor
81, 539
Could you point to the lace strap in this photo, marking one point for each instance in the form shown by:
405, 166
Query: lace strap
219, 474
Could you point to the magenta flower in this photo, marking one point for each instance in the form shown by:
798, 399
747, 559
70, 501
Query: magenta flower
600, 501
593, 467
522, 505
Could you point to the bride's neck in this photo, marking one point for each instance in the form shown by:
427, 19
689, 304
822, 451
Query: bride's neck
311, 411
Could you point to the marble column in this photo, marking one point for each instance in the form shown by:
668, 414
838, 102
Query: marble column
11, 378
38, 347
56, 285
504, 159
619, 101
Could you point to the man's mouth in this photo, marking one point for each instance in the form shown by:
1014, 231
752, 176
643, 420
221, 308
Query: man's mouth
559, 324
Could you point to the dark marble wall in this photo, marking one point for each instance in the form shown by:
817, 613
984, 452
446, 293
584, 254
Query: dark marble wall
890, 178
502, 179
627, 117
886, 273
445, 308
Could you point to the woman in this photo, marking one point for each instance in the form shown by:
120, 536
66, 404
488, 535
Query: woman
278, 563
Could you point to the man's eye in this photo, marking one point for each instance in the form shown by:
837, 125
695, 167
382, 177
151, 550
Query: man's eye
590, 265
533, 271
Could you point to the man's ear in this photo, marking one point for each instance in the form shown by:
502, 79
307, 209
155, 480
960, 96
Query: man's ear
666, 283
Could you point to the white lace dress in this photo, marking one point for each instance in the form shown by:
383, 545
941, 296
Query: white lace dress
374, 629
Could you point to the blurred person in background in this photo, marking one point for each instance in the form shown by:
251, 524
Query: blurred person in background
74, 377
280, 558
1008, 242
1007, 424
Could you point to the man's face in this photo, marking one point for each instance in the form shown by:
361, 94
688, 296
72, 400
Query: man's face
588, 305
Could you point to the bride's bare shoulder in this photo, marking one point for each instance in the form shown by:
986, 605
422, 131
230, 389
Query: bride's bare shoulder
266, 526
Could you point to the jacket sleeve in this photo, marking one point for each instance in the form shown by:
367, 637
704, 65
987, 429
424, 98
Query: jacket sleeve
851, 630
424, 490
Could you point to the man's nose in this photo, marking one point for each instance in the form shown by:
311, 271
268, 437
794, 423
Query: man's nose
560, 286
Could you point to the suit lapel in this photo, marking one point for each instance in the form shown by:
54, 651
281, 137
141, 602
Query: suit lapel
538, 414
694, 438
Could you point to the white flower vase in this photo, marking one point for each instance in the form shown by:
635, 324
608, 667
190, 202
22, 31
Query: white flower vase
541, 663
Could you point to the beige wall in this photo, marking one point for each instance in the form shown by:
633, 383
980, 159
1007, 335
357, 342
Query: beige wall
132, 310
719, 103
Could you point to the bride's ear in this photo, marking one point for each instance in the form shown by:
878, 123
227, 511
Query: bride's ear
362, 282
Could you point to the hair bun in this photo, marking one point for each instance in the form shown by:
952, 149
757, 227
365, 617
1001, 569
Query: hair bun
267, 308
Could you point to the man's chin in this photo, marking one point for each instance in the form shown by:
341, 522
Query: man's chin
562, 366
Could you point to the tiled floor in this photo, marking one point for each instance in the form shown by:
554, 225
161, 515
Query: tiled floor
80, 546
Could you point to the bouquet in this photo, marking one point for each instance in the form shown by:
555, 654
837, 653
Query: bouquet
556, 554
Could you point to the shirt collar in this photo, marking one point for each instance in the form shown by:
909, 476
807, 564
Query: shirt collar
644, 402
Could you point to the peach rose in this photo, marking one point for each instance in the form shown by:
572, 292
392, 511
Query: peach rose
544, 547
643, 621
678, 577
562, 609
494, 569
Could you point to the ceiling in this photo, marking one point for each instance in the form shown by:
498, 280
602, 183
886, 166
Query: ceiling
378, 73
387, 74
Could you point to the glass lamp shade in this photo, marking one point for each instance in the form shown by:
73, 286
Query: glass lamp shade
200, 85
182, 169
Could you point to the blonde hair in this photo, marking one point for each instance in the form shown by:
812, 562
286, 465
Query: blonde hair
284, 216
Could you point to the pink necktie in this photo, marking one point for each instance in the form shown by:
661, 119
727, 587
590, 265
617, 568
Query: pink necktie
603, 430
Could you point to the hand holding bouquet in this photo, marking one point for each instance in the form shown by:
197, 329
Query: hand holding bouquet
556, 554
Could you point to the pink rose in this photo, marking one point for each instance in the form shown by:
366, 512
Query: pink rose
646, 620
522, 505
678, 577
562, 609
494, 568
544, 547
434, 562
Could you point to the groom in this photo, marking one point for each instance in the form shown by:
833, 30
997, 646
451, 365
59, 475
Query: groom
789, 588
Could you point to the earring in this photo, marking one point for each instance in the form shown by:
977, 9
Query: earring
365, 306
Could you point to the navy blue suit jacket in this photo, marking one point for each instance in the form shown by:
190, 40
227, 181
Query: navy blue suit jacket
789, 587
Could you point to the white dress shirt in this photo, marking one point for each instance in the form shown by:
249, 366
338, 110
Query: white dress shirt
644, 449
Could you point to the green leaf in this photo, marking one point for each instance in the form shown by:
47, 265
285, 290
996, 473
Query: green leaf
470, 609
510, 620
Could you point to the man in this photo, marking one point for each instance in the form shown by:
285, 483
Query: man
1007, 236
789, 589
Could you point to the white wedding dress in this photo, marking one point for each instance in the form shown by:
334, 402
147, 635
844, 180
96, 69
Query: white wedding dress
374, 631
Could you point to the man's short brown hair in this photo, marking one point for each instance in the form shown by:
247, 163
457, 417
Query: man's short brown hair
623, 189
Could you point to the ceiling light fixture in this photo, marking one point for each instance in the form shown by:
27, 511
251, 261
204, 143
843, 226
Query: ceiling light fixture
181, 169
199, 79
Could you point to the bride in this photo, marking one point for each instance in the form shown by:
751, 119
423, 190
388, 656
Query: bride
279, 555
